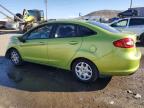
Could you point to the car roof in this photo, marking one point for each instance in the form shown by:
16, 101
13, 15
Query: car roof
68, 21
79, 22
133, 17
126, 18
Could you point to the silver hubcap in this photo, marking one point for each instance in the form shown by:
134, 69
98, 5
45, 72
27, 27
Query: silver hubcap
83, 71
14, 57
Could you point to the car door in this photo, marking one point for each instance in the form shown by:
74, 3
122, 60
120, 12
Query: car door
136, 25
64, 44
35, 46
121, 24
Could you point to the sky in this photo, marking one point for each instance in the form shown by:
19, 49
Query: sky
68, 8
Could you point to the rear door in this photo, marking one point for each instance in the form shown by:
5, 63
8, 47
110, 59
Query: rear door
63, 45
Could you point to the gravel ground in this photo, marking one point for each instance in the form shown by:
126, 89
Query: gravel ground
38, 86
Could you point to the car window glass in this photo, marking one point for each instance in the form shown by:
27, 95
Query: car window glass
121, 23
40, 33
84, 31
105, 27
136, 21
65, 31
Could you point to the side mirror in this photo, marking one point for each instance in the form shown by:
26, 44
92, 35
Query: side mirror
21, 39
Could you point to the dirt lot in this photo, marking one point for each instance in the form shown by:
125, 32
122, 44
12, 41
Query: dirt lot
46, 87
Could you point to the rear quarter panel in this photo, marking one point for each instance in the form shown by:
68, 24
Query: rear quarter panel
95, 47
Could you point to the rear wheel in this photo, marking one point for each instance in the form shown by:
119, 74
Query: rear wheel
85, 71
15, 57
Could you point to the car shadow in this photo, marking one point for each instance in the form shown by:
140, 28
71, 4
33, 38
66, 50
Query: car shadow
35, 78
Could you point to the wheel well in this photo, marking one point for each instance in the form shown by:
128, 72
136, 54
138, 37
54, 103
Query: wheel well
7, 55
81, 58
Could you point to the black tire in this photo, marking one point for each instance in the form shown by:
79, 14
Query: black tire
93, 74
15, 57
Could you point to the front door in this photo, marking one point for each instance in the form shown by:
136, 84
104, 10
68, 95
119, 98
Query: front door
35, 47
64, 45
121, 25
136, 25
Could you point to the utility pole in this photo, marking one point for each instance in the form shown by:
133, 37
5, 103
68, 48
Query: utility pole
131, 2
46, 7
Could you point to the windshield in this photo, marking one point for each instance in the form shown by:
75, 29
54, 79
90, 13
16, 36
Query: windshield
105, 27
33, 13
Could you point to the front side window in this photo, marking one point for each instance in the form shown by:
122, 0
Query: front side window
136, 21
65, 30
122, 23
40, 33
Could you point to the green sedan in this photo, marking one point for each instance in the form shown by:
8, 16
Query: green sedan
88, 49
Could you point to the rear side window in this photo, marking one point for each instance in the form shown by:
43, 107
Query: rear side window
136, 21
121, 23
65, 30
84, 31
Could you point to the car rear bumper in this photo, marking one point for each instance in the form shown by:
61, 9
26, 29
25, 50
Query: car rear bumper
119, 63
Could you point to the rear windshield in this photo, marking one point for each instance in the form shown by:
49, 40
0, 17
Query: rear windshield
105, 27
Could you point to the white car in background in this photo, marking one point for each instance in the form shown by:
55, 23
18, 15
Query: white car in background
7, 24
132, 24
2, 23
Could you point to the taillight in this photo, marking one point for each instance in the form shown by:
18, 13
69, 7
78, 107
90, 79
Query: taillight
124, 43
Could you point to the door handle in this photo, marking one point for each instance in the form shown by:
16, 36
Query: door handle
73, 42
42, 43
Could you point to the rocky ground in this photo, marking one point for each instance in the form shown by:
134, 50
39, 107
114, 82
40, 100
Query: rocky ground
38, 86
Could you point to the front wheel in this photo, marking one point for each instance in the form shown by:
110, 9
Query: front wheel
85, 71
15, 57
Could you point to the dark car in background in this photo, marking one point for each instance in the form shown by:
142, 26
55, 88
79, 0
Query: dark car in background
113, 19
128, 13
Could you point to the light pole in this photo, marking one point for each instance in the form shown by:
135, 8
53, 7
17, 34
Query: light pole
131, 2
46, 7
